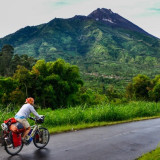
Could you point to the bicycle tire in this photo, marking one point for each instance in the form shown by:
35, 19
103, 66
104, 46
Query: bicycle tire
13, 150
38, 144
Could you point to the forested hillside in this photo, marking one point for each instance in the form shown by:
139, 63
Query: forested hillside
107, 48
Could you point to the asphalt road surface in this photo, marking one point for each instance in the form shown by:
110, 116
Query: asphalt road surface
118, 142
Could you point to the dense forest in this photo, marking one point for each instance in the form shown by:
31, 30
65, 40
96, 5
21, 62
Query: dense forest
58, 84
9, 61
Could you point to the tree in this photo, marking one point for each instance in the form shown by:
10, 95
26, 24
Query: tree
59, 79
7, 85
17, 96
154, 92
53, 84
23, 76
5, 60
139, 87
9, 61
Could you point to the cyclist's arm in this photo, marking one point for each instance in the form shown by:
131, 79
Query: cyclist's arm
34, 112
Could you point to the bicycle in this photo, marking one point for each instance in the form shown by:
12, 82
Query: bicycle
38, 134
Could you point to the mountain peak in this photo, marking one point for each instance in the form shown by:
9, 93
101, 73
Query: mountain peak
113, 19
101, 13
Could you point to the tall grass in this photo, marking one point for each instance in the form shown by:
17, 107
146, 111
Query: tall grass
7, 112
98, 113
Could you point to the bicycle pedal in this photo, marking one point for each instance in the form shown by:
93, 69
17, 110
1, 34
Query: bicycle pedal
26, 142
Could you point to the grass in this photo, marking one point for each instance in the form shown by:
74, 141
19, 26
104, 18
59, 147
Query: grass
153, 155
100, 114
80, 117
66, 128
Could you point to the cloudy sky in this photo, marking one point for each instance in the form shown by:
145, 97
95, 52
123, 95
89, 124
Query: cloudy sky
16, 14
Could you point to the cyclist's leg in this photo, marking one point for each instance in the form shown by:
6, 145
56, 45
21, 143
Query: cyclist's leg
26, 132
26, 124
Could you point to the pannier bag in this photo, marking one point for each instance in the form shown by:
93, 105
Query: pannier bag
16, 138
37, 138
10, 121
17, 127
43, 137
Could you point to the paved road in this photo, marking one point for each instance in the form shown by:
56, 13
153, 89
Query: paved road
118, 142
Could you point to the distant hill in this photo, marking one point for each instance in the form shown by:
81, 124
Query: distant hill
108, 48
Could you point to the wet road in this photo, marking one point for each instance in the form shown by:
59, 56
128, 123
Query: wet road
118, 142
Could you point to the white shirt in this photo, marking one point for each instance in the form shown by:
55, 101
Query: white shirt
25, 111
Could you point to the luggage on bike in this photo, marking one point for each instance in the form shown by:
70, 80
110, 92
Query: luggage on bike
10, 121
41, 136
16, 139
14, 126
17, 127
44, 136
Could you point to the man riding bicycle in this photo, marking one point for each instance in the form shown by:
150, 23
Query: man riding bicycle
24, 113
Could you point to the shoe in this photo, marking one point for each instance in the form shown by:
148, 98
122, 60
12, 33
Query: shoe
26, 140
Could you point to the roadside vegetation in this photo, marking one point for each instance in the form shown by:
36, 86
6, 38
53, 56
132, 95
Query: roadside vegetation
153, 155
79, 117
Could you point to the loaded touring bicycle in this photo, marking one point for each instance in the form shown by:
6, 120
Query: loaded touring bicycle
12, 132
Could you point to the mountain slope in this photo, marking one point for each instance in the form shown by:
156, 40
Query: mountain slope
103, 44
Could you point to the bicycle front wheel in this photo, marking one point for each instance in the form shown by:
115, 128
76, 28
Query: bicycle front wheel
41, 138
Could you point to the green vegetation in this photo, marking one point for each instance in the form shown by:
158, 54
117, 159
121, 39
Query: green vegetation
100, 113
57, 84
84, 116
154, 155
9, 61
144, 88
105, 55
53, 84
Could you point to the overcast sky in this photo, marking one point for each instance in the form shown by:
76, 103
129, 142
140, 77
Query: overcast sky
16, 14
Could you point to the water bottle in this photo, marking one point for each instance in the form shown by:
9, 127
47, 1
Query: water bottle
30, 139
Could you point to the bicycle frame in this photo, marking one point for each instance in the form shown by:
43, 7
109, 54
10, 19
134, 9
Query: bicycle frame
34, 129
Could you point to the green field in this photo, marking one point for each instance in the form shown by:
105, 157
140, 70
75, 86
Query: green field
153, 155
83, 116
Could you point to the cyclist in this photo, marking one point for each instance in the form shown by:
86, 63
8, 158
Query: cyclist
24, 113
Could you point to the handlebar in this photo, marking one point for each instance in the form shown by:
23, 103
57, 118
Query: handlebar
32, 118
41, 120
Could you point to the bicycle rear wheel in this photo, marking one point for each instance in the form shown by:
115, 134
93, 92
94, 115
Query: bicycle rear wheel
11, 149
41, 138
